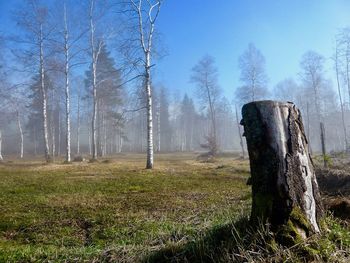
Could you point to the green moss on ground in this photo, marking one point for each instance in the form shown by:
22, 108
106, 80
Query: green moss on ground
296, 230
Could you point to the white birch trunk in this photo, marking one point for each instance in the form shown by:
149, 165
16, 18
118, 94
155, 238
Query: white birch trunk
35, 142
53, 137
95, 51
240, 134
67, 89
120, 143
44, 98
347, 68
104, 135
78, 123
212, 112
149, 164
1, 158
90, 141
145, 39
142, 133
59, 133
341, 100
94, 86
19, 125
158, 127
104, 132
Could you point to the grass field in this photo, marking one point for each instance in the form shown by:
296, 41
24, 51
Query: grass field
116, 211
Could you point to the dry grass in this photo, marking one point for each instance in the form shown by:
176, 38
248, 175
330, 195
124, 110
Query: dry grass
184, 210
83, 210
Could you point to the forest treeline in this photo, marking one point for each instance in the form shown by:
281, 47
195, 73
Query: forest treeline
79, 79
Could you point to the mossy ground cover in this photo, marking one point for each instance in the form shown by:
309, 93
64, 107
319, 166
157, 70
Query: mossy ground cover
185, 210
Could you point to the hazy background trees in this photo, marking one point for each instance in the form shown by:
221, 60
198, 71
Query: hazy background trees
77, 81
205, 77
253, 76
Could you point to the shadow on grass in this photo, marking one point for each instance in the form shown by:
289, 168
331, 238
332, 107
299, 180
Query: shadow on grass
219, 244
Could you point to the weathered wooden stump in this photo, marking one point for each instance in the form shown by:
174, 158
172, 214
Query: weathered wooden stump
284, 187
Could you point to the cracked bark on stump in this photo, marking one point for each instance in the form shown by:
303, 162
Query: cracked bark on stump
284, 187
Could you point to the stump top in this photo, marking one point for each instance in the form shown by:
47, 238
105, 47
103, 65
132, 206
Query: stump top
268, 103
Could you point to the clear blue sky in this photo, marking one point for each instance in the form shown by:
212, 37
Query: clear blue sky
282, 29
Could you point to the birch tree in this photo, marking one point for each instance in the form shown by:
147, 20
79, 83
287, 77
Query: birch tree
312, 75
241, 143
163, 123
343, 55
313, 79
98, 37
109, 98
204, 76
253, 75
288, 90
95, 49
147, 12
67, 88
188, 118
33, 20
337, 67
3, 95
1, 158
16, 102
78, 119
69, 45
3, 103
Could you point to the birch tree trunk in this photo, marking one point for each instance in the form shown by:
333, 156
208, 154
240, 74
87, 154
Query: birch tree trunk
240, 134
35, 142
308, 126
104, 131
21, 133
78, 122
323, 144
53, 137
212, 113
347, 66
90, 142
44, 98
149, 164
94, 113
284, 187
59, 132
105, 137
1, 158
142, 133
340, 98
120, 143
67, 91
158, 127
146, 31
98, 128
94, 83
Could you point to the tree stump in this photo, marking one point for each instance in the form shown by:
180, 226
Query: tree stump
284, 188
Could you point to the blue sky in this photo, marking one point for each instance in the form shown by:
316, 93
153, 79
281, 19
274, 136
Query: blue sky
282, 29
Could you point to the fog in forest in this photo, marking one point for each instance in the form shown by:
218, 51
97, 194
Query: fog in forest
174, 131
85, 79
